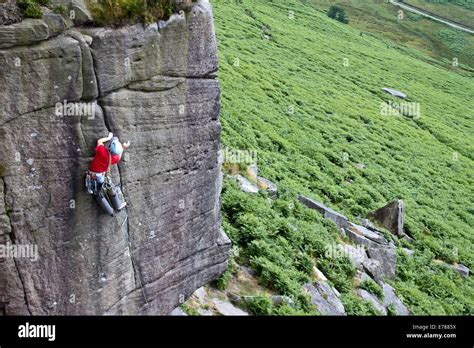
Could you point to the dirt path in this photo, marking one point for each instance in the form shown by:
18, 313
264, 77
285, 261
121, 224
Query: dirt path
411, 9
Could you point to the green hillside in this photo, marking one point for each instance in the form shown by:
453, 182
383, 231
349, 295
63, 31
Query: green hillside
456, 10
435, 39
304, 91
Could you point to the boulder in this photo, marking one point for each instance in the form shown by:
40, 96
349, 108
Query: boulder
26, 32
200, 295
368, 224
268, 185
386, 257
55, 22
192, 33
10, 14
373, 268
246, 185
178, 312
394, 92
340, 220
390, 298
364, 277
227, 308
370, 234
357, 255
367, 296
461, 269
325, 298
205, 312
278, 300
234, 298
80, 12
391, 217
409, 252
319, 275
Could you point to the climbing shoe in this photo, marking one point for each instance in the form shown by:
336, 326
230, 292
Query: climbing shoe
123, 205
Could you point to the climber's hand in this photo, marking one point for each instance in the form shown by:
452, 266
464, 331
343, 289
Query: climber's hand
101, 141
126, 145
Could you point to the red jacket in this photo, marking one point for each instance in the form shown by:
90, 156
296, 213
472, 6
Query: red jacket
100, 163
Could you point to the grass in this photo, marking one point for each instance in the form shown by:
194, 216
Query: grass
373, 288
287, 94
460, 11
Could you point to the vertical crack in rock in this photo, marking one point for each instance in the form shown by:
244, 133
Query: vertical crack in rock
11, 237
136, 272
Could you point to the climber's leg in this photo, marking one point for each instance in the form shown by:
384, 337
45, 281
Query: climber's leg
115, 199
96, 186
104, 203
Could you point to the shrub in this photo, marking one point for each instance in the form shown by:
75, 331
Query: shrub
31, 8
338, 13
339, 271
355, 306
260, 305
391, 310
189, 310
33, 11
23, 4
222, 282
372, 287
122, 12
59, 10
43, 2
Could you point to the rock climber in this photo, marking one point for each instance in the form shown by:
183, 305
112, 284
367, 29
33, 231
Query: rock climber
98, 181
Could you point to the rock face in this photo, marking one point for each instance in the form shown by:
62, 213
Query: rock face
391, 299
246, 185
340, 220
9, 13
391, 217
365, 295
227, 308
154, 86
325, 298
